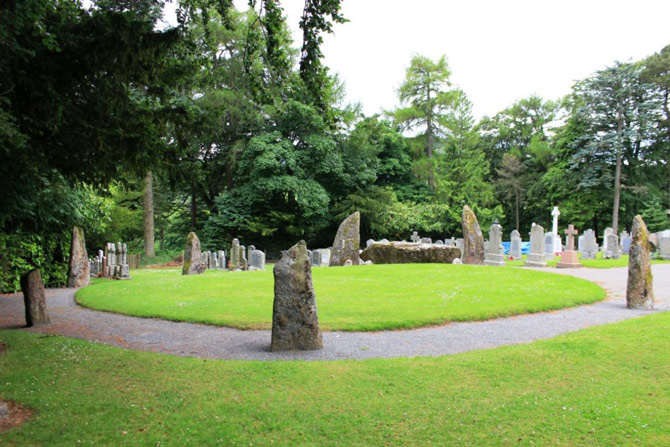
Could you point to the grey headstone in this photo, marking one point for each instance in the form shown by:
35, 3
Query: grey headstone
664, 245
549, 246
493, 255
589, 247
426, 240
612, 247
536, 256
515, 245
625, 240
257, 261
222, 260
369, 242
244, 262
439, 242
415, 237
235, 255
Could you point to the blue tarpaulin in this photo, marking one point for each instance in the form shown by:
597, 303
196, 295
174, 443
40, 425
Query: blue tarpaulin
525, 247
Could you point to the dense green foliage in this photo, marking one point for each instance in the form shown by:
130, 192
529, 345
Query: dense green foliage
601, 386
248, 136
366, 298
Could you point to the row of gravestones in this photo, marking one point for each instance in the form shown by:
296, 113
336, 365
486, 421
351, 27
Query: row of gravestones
112, 262
240, 258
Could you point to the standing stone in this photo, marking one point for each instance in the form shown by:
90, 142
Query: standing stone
493, 254
235, 255
295, 323
79, 269
193, 264
569, 255
257, 260
34, 298
515, 245
589, 248
548, 246
347, 241
625, 241
612, 249
639, 290
473, 240
535, 256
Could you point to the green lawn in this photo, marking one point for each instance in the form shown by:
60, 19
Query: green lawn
364, 298
598, 263
607, 386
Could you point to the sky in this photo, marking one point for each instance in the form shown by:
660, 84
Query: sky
498, 51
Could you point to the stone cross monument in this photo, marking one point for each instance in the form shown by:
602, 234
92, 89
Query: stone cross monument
569, 256
554, 229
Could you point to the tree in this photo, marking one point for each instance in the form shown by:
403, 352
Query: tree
510, 180
424, 90
148, 206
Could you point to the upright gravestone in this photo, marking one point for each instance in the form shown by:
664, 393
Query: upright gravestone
554, 230
460, 244
612, 249
111, 260
426, 240
549, 246
79, 269
569, 255
347, 242
493, 255
321, 257
369, 242
639, 290
515, 245
535, 256
222, 260
473, 240
193, 264
256, 260
589, 247
34, 298
249, 250
625, 241
235, 255
608, 231
244, 262
663, 238
415, 237
295, 323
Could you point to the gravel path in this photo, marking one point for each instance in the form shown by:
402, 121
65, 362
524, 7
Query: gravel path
196, 340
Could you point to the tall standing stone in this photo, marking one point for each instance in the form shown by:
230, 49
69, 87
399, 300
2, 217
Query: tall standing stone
639, 290
347, 242
79, 269
235, 255
495, 255
473, 240
34, 298
535, 256
193, 262
295, 323
515, 245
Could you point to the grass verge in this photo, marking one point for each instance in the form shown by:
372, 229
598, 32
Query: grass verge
364, 298
608, 385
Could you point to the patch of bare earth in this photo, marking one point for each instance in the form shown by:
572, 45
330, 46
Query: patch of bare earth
13, 414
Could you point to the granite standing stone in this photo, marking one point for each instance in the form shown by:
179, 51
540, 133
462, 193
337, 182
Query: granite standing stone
589, 247
295, 323
34, 298
515, 245
493, 255
639, 290
235, 255
473, 240
535, 256
347, 242
79, 268
193, 264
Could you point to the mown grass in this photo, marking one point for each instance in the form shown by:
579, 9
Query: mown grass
363, 298
603, 386
598, 263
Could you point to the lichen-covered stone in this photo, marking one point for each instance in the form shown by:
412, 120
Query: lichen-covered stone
347, 241
409, 253
79, 270
639, 291
295, 323
193, 263
34, 298
473, 240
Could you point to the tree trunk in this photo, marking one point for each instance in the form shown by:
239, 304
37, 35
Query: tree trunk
617, 176
429, 143
516, 194
194, 207
148, 202
34, 298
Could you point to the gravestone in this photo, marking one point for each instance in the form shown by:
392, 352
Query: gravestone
625, 239
321, 257
234, 255
222, 260
612, 249
549, 246
554, 230
460, 244
295, 323
110, 256
451, 242
257, 260
34, 298
535, 256
580, 243
473, 240
244, 262
589, 248
495, 255
347, 242
608, 231
664, 244
439, 242
193, 264
515, 245
415, 237
79, 268
426, 240
639, 289
569, 255
369, 242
